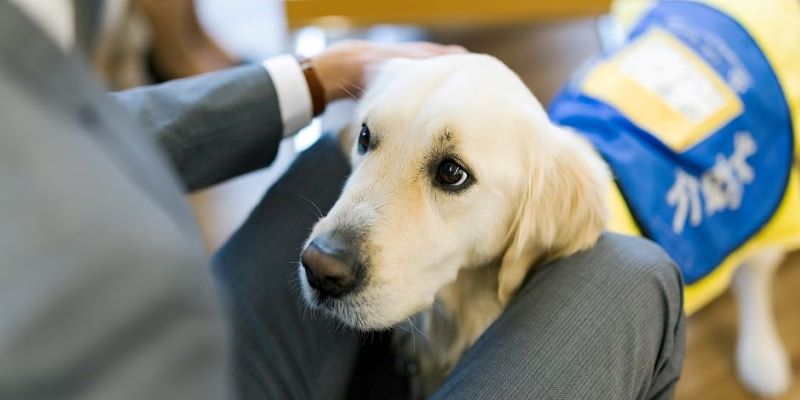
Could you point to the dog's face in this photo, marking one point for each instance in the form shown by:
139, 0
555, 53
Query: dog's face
455, 166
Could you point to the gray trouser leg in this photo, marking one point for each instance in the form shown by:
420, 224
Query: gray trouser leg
604, 324
280, 352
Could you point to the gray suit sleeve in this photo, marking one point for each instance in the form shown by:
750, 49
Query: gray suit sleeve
103, 294
214, 126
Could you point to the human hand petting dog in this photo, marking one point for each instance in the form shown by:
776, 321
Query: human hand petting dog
343, 68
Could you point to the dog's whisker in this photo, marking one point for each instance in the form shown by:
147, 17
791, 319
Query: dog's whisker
422, 333
418, 330
316, 207
347, 91
413, 336
347, 81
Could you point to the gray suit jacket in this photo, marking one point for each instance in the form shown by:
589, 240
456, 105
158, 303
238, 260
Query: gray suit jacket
105, 292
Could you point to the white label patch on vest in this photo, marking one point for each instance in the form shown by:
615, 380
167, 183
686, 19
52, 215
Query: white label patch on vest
662, 69
665, 88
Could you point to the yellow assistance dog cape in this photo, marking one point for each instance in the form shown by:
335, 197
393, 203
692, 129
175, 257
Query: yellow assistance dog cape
696, 115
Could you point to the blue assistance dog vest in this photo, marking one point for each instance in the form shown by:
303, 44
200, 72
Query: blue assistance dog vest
696, 116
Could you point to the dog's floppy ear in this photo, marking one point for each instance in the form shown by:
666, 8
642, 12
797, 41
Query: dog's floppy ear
562, 209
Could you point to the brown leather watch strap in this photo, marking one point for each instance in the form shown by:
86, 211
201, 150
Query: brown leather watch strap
314, 85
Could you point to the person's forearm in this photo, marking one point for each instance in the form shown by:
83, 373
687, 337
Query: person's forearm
213, 127
223, 124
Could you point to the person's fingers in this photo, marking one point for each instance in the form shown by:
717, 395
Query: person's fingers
439, 49
350, 62
456, 49
424, 49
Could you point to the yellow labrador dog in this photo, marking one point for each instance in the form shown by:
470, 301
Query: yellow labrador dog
460, 184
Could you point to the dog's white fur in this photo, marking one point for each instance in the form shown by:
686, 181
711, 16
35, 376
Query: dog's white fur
446, 264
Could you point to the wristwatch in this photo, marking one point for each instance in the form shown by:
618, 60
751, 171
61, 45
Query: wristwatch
314, 86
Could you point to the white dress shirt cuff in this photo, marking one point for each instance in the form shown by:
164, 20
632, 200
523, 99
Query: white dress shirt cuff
294, 97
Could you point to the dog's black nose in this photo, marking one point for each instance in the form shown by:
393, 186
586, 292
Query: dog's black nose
329, 270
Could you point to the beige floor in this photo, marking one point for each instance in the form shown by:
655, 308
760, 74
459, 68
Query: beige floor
709, 372
544, 56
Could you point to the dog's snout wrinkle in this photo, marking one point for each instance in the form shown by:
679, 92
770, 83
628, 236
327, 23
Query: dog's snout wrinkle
329, 271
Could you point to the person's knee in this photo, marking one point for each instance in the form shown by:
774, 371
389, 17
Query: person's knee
644, 287
635, 270
609, 317
654, 288
627, 293
623, 274
644, 269
637, 279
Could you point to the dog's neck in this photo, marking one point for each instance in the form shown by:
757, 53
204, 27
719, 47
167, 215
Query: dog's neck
437, 337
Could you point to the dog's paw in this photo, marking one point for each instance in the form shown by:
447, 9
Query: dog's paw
764, 368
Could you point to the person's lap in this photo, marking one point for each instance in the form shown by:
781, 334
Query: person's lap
281, 351
606, 323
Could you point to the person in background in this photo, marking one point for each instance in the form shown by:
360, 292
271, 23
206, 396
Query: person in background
105, 291
136, 42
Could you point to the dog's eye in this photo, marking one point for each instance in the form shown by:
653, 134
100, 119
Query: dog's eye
450, 174
363, 139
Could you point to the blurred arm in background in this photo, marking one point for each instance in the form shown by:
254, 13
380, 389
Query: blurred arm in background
181, 47
135, 42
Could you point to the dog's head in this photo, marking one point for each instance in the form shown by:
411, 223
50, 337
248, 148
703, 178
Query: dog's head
456, 166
